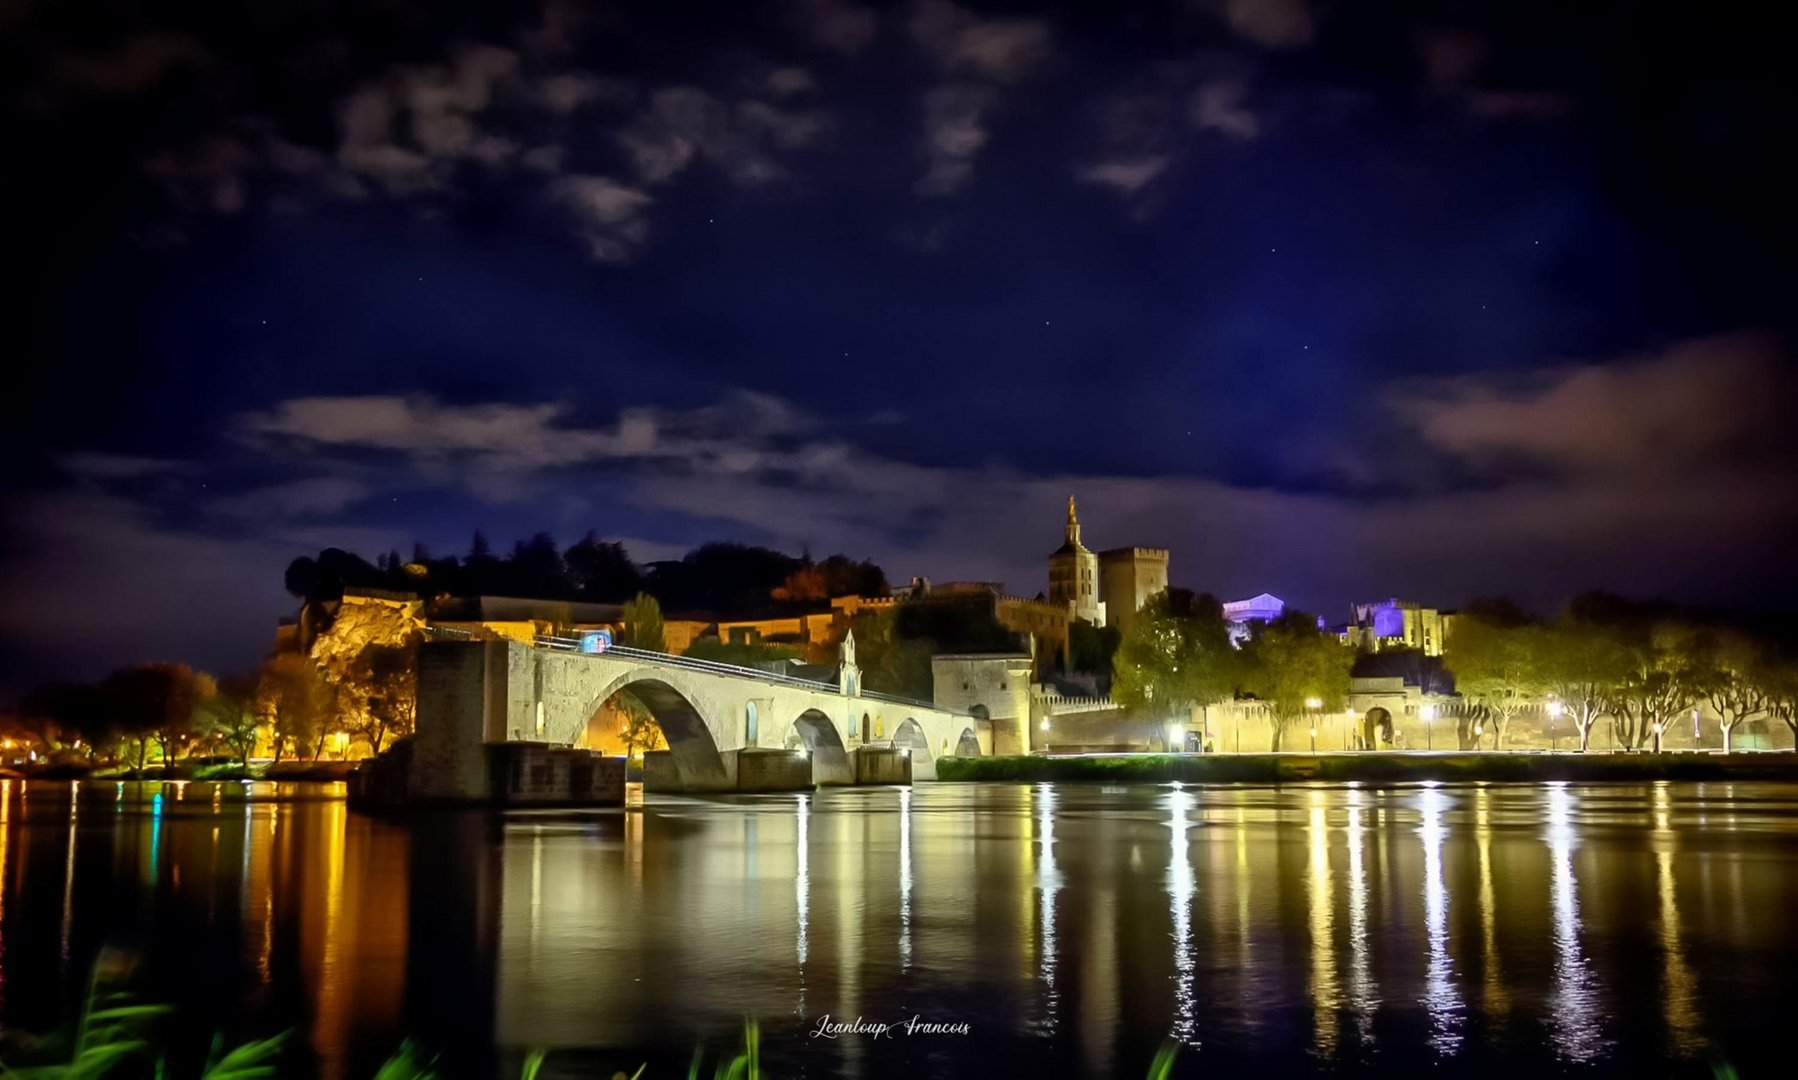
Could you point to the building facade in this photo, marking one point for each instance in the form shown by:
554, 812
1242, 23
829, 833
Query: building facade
1128, 577
1240, 615
1399, 624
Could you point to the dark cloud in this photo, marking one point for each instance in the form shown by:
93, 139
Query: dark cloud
1687, 408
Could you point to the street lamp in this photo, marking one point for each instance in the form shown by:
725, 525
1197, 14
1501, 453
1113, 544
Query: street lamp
1174, 731
1555, 710
1311, 706
1428, 712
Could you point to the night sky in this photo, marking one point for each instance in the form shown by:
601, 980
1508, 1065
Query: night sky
1335, 300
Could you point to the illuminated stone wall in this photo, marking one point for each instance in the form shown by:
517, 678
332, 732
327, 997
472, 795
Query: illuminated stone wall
1128, 577
996, 684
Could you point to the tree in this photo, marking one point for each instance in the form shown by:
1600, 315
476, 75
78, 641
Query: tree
1289, 663
643, 624
63, 714
1583, 663
639, 732
1496, 657
722, 578
1777, 677
299, 701
891, 662
1175, 655
747, 654
1726, 674
1092, 648
1659, 683
154, 703
838, 575
231, 716
601, 571
387, 677
536, 568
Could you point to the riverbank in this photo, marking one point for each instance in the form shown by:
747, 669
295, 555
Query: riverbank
1369, 767
184, 770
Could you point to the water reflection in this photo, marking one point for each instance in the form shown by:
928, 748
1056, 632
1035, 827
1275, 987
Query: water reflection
905, 879
5, 842
802, 892
1575, 1017
1291, 929
1181, 886
1679, 988
1495, 999
1048, 884
1440, 997
1325, 997
1363, 997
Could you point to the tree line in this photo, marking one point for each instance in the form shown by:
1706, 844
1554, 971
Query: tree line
720, 578
170, 712
1641, 667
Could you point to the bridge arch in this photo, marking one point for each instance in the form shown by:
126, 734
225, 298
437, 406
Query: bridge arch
830, 757
909, 735
690, 741
968, 745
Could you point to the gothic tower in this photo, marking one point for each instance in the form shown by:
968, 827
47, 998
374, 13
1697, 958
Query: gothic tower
1074, 574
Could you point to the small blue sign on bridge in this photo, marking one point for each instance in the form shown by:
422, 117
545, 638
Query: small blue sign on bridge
596, 641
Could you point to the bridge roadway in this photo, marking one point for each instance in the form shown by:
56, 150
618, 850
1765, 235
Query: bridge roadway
475, 692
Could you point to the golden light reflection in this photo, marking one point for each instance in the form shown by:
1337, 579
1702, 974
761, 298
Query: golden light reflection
633, 843
5, 838
330, 1029
1679, 988
1182, 885
68, 873
1363, 996
1441, 1000
1575, 1016
1326, 997
1243, 938
1495, 998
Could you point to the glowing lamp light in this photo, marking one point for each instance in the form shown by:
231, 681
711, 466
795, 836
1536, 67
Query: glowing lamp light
1314, 703
1045, 724
1174, 731
1428, 712
1555, 709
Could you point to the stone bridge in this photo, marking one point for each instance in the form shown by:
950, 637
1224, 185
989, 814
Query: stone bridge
716, 718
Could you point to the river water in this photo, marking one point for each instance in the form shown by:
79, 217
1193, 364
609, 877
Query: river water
1591, 929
